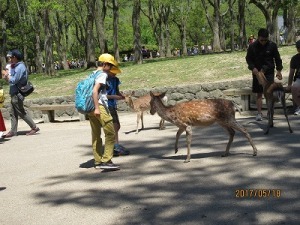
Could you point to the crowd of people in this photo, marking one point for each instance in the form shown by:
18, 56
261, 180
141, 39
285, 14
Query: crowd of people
262, 56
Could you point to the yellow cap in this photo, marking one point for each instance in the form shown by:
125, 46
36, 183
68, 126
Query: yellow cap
108, 58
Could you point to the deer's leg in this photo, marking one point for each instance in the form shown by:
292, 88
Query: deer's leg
270, 105
142, 119
285, 112
179, 132
162, 124
137, 122
231, 133
242, 129
188, 141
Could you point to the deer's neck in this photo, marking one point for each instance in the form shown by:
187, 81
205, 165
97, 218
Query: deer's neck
164, 111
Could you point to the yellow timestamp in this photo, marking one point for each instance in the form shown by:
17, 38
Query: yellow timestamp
257, 193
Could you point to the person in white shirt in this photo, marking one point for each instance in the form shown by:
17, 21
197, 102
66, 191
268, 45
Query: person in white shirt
101, 118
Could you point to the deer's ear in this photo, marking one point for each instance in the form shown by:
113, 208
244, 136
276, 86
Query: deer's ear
151, 94
132, 93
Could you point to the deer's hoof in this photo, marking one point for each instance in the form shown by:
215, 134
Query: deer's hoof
225, 155
176, 150
255, 154
186, 161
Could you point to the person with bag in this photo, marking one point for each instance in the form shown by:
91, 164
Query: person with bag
101, 117
17, 77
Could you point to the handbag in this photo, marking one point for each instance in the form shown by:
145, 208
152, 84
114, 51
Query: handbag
2, 97
27, 89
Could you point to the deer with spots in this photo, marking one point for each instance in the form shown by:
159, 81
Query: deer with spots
273, 92
204, 112
140, 105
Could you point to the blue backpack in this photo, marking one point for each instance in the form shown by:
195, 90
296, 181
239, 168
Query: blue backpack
84, 93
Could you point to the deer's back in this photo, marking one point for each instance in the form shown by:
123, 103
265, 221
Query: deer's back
142, 103
202, 112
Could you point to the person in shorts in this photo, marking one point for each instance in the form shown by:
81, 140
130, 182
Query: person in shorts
262, 55
113, 94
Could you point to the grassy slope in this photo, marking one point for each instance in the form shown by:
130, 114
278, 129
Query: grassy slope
160, 73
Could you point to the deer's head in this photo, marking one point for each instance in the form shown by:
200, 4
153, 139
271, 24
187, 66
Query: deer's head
155, 97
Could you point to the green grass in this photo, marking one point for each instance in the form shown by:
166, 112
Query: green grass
159, 73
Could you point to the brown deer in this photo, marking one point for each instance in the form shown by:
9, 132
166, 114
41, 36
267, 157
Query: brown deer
199, 113
140, 105
273, 92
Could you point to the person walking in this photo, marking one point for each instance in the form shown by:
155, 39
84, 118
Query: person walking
101, 118
17, 77
113, 94
294, 79
263, 56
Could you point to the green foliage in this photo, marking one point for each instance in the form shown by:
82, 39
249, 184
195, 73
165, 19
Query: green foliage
159, 72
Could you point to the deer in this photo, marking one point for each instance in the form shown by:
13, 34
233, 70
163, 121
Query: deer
201, 112
273, 92
140, 105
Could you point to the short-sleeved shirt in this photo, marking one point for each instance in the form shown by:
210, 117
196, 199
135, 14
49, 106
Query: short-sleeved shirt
102, 79
112, 89
295, 64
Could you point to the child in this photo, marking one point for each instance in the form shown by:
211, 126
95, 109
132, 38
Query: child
113, 95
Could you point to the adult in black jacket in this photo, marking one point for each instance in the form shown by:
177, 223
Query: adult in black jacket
263, 55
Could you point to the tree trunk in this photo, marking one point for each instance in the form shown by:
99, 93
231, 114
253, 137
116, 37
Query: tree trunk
49, 64
155, 18
115, 29
137, 31
38, 56
291, 24
214, 23
232, 21
3, 38
61, 43
270, 12
90, 47
101, 6
242, 28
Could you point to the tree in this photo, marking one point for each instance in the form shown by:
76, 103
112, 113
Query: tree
90, 46
290, 10
136, 13
270, 10
181, 12
242, 25
214, 22
101, 7
3, 39
115, 29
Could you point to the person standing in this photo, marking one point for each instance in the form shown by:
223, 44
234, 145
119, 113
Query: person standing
101, 118
113, 94
17, 77
294, 75
262, 55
